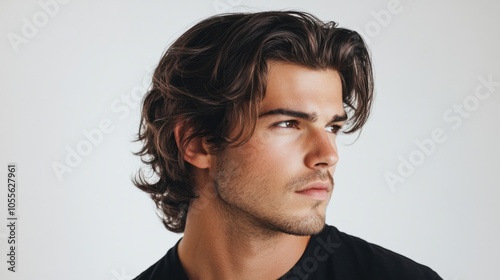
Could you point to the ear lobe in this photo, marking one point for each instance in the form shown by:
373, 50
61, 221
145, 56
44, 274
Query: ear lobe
196, 152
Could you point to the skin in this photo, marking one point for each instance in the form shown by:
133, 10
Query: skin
250, 214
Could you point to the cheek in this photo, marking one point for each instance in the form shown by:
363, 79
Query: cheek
271, 154
267, 146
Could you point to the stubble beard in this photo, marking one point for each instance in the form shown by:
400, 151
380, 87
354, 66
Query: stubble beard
241, 206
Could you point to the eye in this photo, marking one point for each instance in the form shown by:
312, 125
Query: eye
333, 128
286, 124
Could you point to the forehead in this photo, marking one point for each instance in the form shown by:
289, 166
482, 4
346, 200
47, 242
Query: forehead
295, 86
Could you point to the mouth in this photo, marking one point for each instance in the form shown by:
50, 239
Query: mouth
317, 191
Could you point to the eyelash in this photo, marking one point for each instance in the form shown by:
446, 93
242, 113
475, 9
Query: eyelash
336, 129
295, 124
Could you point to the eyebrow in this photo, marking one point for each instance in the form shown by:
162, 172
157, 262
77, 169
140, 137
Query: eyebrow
312, 117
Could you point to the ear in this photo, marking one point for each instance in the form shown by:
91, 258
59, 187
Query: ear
197, 152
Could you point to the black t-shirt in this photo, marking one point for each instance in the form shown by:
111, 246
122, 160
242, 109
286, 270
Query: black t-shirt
331, 255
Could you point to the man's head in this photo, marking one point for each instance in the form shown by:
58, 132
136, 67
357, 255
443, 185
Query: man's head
263, 95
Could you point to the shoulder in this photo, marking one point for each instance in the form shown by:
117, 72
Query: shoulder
168, 267
359, 255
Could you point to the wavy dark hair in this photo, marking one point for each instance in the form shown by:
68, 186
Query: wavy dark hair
211, 80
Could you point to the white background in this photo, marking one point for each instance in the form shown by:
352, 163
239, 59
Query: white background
79, 64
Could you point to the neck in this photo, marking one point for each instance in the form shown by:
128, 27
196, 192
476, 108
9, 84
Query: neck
220, 243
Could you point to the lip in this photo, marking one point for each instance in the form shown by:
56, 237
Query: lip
318, 191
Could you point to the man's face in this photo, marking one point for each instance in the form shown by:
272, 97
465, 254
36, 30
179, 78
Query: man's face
281, 179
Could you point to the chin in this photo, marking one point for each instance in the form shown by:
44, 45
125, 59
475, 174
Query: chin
304, 226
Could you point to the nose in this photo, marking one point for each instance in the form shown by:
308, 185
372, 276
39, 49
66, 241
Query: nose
322, 150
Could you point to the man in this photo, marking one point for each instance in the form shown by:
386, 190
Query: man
239, 130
